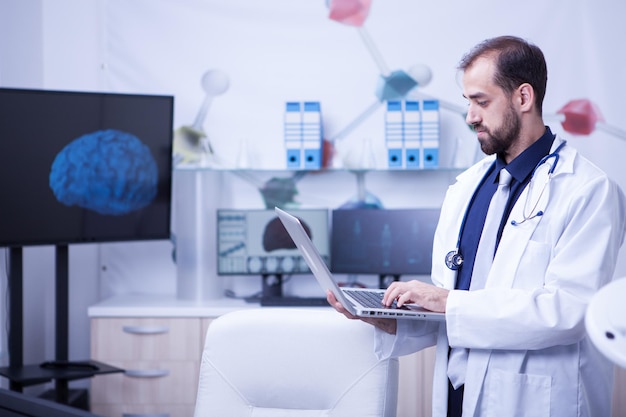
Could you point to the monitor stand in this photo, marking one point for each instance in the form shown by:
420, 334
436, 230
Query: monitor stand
61, 370
384, 280
272, 285
272, 295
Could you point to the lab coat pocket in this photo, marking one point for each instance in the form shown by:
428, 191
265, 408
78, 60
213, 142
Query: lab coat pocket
534, 263
518, 395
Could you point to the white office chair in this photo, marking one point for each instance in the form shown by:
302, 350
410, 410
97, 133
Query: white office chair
293, 362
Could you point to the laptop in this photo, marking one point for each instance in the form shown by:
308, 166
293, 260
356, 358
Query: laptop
360, 302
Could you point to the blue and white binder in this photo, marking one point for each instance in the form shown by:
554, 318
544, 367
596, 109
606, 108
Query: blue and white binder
303, 135
394, 134
430, 133
412, 134
412, 142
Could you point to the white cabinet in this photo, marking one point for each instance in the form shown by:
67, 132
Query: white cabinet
161, 359
415, 388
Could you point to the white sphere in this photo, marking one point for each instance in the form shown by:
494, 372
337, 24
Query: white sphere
421, 74
215, 82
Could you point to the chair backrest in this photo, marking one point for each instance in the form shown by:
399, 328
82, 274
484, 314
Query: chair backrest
293, 362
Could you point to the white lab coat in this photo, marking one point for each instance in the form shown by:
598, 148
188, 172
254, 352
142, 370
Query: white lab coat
529, 353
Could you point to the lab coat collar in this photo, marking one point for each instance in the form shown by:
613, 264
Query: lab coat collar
513, 236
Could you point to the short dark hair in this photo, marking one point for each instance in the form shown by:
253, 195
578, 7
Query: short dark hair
517, 62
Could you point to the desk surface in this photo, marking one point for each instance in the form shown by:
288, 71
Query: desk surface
168, 306
165, 306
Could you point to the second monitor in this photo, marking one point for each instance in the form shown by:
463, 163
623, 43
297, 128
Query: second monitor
384, 242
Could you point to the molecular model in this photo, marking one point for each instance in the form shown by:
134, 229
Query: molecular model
398, 90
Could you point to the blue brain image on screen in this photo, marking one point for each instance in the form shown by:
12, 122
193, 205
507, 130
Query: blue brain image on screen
108, 171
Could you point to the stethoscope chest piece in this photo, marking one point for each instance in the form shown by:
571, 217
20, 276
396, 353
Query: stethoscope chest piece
454, 260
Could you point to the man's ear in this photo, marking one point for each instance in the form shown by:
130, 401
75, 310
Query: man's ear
526, 95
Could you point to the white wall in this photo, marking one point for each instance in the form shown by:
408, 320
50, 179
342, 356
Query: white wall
60, 44
37, 50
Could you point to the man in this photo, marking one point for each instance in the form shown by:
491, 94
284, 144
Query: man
513, 342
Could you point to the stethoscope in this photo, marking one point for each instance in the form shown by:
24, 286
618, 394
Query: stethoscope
454, 259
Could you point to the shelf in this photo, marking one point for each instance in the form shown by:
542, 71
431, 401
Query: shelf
36, 374
186, 168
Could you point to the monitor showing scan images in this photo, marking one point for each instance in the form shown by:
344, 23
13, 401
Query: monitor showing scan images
383, 241
254, 242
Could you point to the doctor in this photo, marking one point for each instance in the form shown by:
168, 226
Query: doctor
514, 341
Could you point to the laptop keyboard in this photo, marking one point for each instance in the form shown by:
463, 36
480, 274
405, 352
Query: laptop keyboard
371, 299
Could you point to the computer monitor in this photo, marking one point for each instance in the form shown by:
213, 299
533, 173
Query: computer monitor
254, 242
84, 167
384, 242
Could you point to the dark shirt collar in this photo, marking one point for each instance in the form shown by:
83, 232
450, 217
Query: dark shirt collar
522, 166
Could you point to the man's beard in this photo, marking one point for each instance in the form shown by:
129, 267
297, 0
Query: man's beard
500, 139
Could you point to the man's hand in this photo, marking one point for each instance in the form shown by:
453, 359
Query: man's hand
416, 292
386, 325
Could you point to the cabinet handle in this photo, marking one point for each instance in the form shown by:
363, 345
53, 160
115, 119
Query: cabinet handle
146, 329
146, 415
147, 373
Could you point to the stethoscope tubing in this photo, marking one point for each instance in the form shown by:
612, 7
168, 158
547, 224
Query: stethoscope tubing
454, 259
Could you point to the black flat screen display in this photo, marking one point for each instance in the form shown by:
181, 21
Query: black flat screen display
383, 241
84, 167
